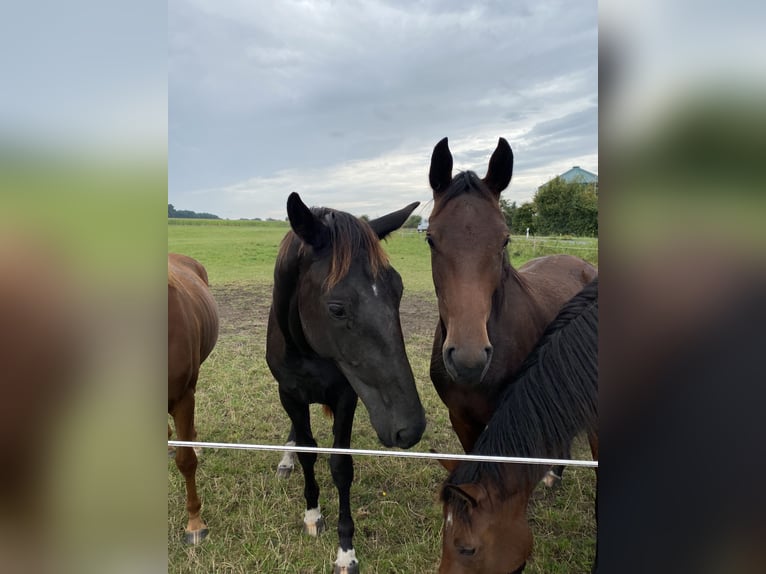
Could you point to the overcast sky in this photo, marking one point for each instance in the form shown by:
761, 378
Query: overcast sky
344, 101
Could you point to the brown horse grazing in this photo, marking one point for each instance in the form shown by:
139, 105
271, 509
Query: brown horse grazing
192, 334
490, 314
553, 397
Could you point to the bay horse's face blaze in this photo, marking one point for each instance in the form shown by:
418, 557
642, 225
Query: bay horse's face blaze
467, 235
349, 310
483, 535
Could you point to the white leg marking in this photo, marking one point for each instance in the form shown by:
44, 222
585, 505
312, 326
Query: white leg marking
312, 515
551, 478
345, 558
313, 523
288, 459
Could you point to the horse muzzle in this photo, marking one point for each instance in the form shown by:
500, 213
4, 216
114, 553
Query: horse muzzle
467, 367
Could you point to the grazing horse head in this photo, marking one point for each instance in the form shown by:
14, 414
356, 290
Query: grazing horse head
467, 235
348, 298
552, 398
484, 532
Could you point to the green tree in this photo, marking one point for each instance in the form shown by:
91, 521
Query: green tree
509, 212
412, 222
525, 217
188, 214
566, 208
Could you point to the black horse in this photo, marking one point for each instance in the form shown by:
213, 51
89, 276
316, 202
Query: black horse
334, 335
553, 397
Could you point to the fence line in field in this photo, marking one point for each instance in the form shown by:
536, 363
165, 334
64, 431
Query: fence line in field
534, 242
394, 453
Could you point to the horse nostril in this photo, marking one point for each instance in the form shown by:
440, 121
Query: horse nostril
449, 354
407, 437
488, 351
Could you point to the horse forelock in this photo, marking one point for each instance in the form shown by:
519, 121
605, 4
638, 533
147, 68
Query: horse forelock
465, 182
458, 506
350, 238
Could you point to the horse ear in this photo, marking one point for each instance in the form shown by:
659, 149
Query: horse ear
500, 168
474, 494
306, 225
382, 226
440, 174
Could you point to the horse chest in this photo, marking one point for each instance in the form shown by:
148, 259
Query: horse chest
312, 380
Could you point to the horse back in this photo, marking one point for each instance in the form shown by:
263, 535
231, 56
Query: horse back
553, 280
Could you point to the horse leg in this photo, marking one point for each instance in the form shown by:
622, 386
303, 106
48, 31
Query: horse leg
186, 461
287, 464
342, 468
593, 441
556, 473
553, 476
313, 521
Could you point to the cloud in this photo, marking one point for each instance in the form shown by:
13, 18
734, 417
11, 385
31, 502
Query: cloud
316, 94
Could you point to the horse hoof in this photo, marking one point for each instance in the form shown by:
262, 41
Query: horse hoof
284, 471
350, 569
195, 537
551, 479
346, 563
315, 528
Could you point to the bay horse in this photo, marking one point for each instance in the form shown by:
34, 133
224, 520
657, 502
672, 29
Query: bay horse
553, 397
334, 335
192, 334
490, 314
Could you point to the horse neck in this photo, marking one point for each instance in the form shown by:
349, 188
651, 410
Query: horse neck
516, 320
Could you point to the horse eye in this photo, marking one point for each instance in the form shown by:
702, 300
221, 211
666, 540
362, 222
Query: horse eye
336, 310
466, 550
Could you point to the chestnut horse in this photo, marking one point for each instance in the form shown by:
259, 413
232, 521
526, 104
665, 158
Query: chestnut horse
490, 314
192, 334
553, 397
334, 335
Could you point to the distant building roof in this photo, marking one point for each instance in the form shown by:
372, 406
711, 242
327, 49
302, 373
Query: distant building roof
579, 174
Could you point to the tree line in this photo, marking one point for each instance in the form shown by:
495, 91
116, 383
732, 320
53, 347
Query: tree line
558, 208
187, 214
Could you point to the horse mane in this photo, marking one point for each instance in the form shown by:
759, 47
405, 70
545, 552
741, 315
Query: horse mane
349, 238
552, 398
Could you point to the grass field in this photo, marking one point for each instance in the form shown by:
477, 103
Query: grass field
255, 518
